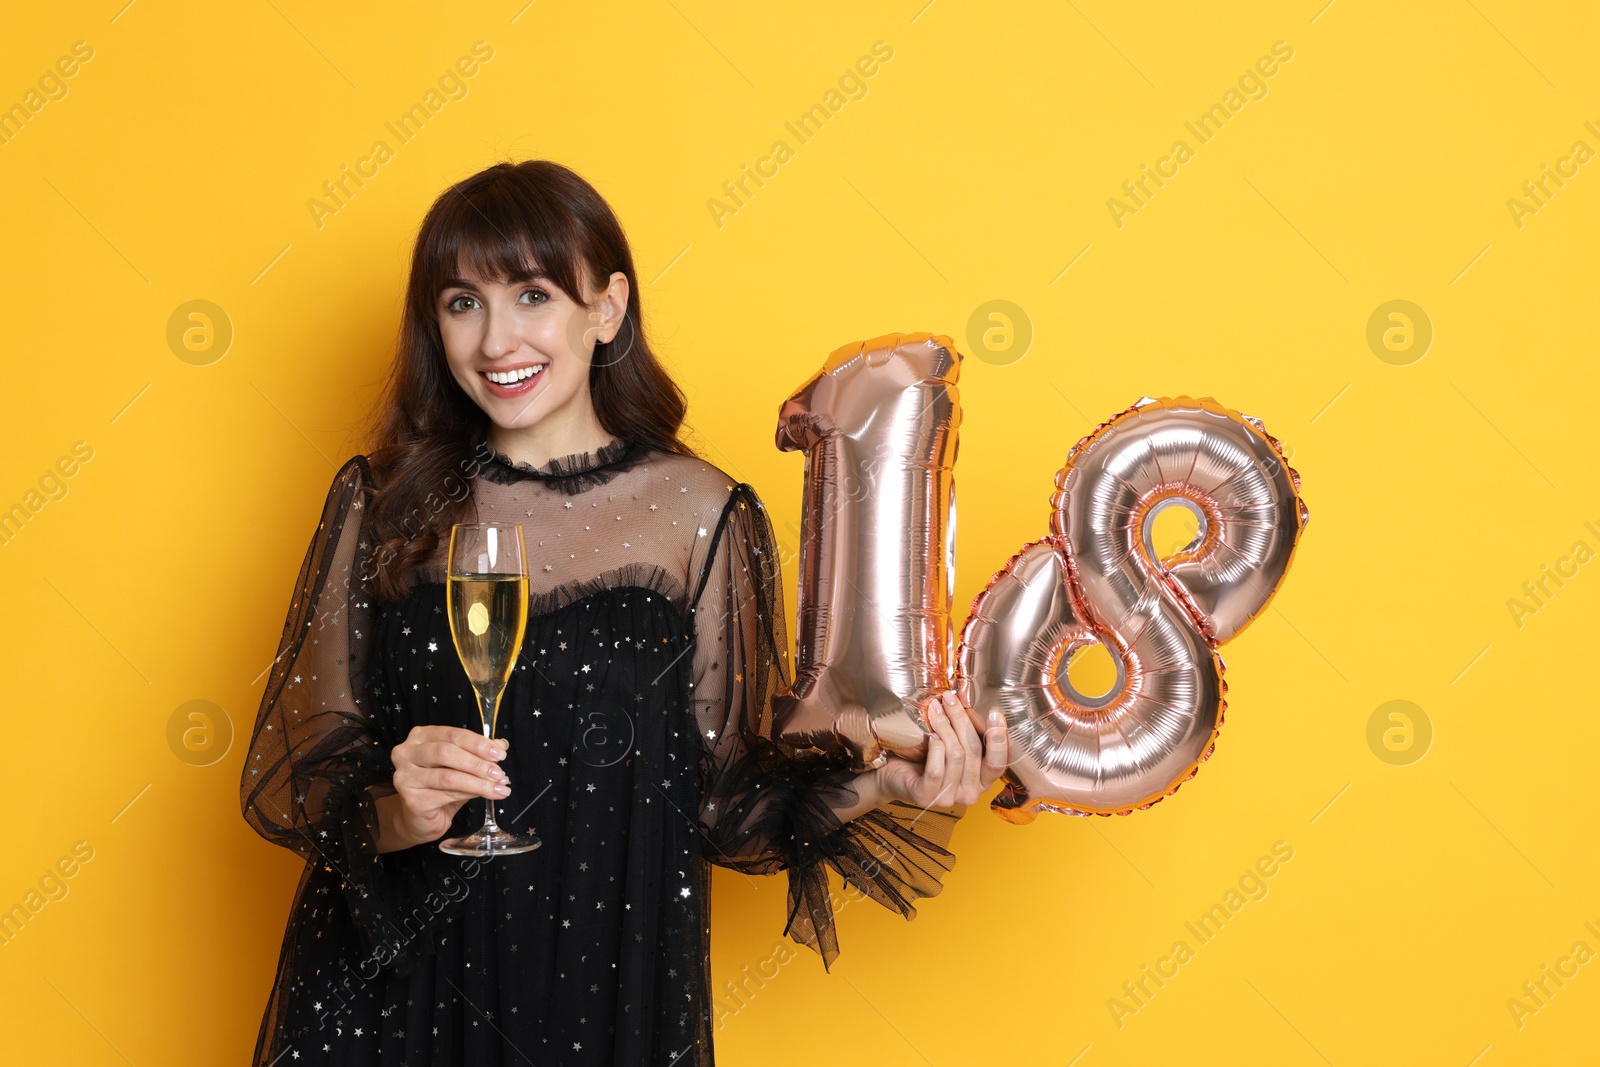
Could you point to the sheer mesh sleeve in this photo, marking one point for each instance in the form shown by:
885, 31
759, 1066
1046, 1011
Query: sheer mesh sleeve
765, 808
314, 764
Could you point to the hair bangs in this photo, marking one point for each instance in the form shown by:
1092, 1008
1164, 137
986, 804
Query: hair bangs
504, 234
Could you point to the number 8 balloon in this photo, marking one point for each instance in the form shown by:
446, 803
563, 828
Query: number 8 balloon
1098, 578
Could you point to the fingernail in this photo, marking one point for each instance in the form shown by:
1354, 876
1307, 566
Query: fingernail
496, 772
502, 790
995, 718
498, 753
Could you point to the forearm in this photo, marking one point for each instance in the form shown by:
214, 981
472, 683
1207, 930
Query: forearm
392, 832
869, 795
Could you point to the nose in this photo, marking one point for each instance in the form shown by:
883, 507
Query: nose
499, 335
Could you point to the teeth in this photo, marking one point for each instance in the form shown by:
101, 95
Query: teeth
512, 377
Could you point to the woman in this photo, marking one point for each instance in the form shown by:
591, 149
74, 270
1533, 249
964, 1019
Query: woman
634, 728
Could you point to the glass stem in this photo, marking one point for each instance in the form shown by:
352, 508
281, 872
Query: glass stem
491, 704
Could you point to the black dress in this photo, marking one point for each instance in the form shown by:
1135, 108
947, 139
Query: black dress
640, 749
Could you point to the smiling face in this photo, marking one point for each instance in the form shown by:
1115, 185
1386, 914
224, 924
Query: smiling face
521, 350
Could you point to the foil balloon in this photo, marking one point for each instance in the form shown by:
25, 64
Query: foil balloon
1098, 578
878, 426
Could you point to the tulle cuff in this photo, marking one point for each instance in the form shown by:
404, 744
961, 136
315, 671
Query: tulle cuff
394, 898
895, 855
373, 894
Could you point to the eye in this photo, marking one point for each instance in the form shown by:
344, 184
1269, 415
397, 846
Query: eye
541, 295
450, 305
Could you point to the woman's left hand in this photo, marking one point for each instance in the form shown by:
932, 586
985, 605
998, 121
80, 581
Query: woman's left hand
960, 765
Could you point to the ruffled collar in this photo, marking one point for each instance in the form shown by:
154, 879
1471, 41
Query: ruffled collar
571, 473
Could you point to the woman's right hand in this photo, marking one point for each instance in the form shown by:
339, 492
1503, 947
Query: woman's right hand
436, 770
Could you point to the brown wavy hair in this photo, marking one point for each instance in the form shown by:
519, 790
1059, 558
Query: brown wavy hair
503, 222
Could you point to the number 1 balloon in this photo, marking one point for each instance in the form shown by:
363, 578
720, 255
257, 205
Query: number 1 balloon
874, 640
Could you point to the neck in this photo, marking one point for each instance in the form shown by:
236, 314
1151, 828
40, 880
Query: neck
550, 437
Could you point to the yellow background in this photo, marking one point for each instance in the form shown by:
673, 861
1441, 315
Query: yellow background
977, 167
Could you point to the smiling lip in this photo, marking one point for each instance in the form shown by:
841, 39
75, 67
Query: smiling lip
520, 388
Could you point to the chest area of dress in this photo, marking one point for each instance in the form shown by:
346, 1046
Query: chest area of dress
589, 671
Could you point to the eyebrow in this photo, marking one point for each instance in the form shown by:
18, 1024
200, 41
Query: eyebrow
463, 283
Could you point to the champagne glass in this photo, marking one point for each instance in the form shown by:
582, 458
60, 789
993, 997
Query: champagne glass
488, 606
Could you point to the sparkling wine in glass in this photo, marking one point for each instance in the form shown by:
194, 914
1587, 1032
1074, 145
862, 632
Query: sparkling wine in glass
488, 606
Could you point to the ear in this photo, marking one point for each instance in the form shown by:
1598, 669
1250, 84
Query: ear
613, 306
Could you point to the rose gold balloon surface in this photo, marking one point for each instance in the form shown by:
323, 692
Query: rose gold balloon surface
878, 426
1099, 578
